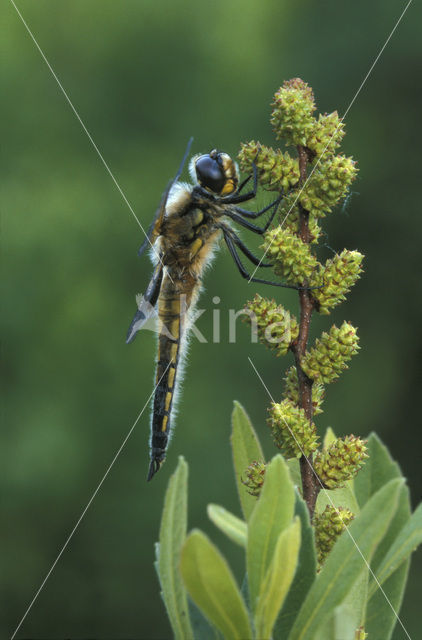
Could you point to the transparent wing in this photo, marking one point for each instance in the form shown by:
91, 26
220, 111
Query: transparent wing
146, 303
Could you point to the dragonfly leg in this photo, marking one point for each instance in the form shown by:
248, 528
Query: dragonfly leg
243, 272
243, 248
252, 214
249, 225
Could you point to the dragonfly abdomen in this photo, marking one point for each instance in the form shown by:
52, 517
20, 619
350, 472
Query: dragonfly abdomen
170, 336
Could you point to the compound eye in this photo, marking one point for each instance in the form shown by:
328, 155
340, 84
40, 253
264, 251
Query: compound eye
210, 174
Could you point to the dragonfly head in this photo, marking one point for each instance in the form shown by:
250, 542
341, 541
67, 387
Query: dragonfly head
216, 172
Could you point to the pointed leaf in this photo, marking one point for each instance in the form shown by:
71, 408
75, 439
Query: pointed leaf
378, 469
212, 587
384, 606
172, 537
278, 580
329, 437
234, 528
304, 576
346, 562
349, 616
272, 514
406, 541
246, 448
401, 517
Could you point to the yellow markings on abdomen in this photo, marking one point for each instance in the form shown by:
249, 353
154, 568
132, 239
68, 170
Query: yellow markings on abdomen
169, 314
167, 403
168, 306
173, 352
173, 327
172, 372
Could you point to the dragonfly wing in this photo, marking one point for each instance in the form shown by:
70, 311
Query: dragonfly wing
154, 230
146, 303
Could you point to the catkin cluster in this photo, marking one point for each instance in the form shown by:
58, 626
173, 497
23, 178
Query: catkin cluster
292, 252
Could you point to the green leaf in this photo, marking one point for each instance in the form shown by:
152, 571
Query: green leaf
353, 608
329, 437
378, 469
212, 587
304, 576
346, 562
278, 579
328, 630
294, 468
348, 616
234, 528
202, 628
406, 541
246, 448
342, 497
272, 514
401, 517
383, 608
172, 536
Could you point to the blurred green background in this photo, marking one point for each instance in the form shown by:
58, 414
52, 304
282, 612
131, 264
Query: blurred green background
144, 76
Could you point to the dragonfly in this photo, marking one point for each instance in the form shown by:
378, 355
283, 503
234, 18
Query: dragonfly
186, 229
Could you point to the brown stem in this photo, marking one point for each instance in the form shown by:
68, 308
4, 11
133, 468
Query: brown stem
310, 485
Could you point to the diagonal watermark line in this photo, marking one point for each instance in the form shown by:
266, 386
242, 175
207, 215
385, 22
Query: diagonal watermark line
339, 125
85, 129
68, 539
332, 504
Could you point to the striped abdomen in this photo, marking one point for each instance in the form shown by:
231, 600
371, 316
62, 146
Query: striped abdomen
172, 305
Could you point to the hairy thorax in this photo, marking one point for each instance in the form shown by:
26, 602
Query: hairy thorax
188, 236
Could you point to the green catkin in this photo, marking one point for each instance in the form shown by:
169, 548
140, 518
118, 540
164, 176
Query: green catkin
276, 328
327, 358
255, 475
340, 461
292, 258
339, 274
328, 526
292, 432
293, 107
277, 171
291, 391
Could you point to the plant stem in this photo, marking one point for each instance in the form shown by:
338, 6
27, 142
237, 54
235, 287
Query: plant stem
310, 485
